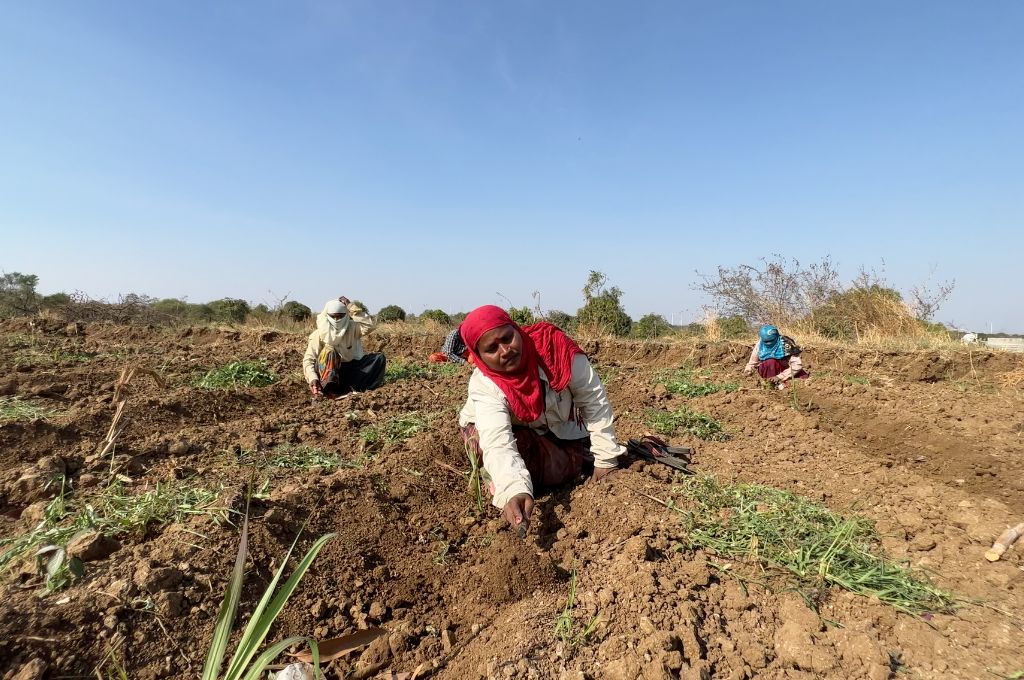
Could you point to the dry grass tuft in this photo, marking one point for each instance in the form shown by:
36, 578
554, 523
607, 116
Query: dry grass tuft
1014, 378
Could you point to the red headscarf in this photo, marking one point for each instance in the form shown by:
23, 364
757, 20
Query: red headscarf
544, 345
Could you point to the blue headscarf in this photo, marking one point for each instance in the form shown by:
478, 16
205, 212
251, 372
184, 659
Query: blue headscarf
771, 345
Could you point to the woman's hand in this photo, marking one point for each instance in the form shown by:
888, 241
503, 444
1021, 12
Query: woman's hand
601, 473
314, 387
748, 370
517, 511
344, 300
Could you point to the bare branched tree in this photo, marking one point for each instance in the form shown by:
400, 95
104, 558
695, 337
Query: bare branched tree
778, 289
926, 300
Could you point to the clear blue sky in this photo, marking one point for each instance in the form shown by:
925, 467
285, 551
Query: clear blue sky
434, 154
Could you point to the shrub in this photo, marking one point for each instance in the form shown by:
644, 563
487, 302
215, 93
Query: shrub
390, 314
733, 327
229, 310
522, 315
602, 310
651, 326
696, 330
296, 311
18, 294
855, 311
561, 319
55, 301
438, 315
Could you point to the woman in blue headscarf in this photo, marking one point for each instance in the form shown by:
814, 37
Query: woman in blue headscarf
776, 357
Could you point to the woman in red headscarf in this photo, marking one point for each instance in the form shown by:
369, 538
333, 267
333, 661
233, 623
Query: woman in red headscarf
537, 412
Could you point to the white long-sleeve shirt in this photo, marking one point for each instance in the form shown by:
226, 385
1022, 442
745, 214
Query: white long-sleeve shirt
488, 409
349, 347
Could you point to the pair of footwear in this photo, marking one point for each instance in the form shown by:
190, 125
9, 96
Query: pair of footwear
657, 450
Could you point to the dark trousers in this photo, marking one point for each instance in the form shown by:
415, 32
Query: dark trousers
358, 375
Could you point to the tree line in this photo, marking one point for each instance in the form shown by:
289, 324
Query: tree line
774, 290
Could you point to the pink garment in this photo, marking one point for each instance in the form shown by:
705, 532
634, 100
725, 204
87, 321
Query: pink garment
769, 368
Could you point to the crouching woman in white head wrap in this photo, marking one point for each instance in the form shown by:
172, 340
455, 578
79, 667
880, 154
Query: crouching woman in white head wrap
334, 363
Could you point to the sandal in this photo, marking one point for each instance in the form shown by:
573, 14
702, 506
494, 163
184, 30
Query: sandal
655, 450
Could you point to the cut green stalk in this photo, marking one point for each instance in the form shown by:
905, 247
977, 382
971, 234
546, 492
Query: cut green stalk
474, 479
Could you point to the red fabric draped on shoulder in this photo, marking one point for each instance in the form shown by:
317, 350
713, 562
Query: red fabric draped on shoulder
544, 345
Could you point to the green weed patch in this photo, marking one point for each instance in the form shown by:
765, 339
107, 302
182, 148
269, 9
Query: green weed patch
14, 408
237, 374
687, 382
406, 370
113, 511
394, 430
813, 545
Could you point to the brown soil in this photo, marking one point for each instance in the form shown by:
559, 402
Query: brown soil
925, 444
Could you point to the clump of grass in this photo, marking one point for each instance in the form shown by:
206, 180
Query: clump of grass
237, 374
32, 356
607, 373
118, 511
297, 457
113, 511
565, 624
858, 379
394, 430
683, 419
814, 545
404, 370
15, 408
686, 382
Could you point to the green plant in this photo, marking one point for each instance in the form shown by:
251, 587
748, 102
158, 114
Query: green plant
522, 315
685, 382
32, 356
242, 666
113, 511
814, 545
475, 482
651, 326
111, 667
296, 311
602, 309
561, 319
15, 408
237, 374
700, 425
229, 310
18, 294
565, 623
390, 314
858, 379
296, 457
607, 373
438, 315
732, 327
404, 370
394, 430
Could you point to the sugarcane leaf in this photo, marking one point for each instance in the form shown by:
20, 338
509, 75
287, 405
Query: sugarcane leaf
228, 608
